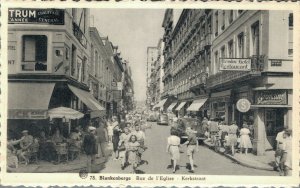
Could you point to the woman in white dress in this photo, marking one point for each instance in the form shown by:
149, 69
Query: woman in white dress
173, 149
245, 141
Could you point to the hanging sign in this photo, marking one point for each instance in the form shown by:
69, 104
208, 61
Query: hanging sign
235, 64
243, 105
36, 16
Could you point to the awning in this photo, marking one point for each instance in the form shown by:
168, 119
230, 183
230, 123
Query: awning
155, 106
29, 100
87, 98
162, 102
64, 112
170, 108
180, 106
196, 105
270, 106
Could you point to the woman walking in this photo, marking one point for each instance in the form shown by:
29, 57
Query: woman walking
123, 144
173, 149
245, 142
232, 138
132, 149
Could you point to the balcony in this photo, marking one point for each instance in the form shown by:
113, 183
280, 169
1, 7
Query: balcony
79, 35
228, 77
198, 81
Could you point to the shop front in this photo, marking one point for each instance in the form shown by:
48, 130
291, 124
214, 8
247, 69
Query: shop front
272, 112
221, 106
198, 108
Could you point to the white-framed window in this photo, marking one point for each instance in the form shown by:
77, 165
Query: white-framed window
223, 54
241, 45
255, 38
73, 62
230, 49
34, 53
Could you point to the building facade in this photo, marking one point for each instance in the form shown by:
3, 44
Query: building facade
214, 58
152, 54
48, 67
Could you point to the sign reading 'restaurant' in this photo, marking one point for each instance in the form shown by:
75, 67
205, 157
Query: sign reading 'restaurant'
37, 16
235, 64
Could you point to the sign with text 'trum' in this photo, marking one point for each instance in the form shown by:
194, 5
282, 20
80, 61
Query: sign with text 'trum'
230, 64
36, 16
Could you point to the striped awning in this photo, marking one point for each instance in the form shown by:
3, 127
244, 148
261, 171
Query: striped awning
180, 106
170, 108
196, 105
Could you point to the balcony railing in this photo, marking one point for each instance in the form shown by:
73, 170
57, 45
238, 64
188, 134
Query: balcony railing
198, 80
257, 66
79, 35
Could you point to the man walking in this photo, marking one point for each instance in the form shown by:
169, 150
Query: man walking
192, 146
280, 138
89, 147
101, 135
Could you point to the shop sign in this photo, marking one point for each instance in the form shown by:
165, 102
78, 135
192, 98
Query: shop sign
243, 105
27, 114
271, 97
235, 64
36, 16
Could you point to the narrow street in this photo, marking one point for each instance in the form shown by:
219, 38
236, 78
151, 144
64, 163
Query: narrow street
207, 161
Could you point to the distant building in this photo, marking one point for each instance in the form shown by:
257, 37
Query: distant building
152, 54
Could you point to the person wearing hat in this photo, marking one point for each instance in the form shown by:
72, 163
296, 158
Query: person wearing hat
89, 147
25, 143
232, 137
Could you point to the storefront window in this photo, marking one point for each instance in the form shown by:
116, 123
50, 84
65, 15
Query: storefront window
274, 121
34, 53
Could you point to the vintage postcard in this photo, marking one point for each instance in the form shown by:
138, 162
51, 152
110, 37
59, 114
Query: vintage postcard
147, 94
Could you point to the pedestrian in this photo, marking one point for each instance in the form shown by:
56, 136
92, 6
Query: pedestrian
232, 137
192, 147
245, 142
116, 137
101, 135
132, 149
287, 153
213, 129
280, 138
141, 137
89, 147
123, 145
25, 144
173, 148
109, 130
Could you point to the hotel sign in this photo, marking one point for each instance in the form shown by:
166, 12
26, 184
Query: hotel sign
36, 16
271, 97
235, 64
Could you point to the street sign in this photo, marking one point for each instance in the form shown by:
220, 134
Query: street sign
243, 105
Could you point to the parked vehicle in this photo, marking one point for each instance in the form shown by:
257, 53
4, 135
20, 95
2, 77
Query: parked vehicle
163, 119
194, 123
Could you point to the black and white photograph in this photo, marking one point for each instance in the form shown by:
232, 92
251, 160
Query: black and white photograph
150, 91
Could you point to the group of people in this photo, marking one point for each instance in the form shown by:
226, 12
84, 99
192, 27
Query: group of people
230, 136
128, 142
173, 144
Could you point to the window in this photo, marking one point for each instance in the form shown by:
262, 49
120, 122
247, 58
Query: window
217, 23
216, 62
34, 53
291, 20
209, 25
230, 18
241, 44
83, 69
223, 52
223, 20
79, 68
96, 64
255, 38
230, 49
73, 61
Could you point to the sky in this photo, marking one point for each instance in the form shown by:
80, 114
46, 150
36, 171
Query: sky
132, 30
